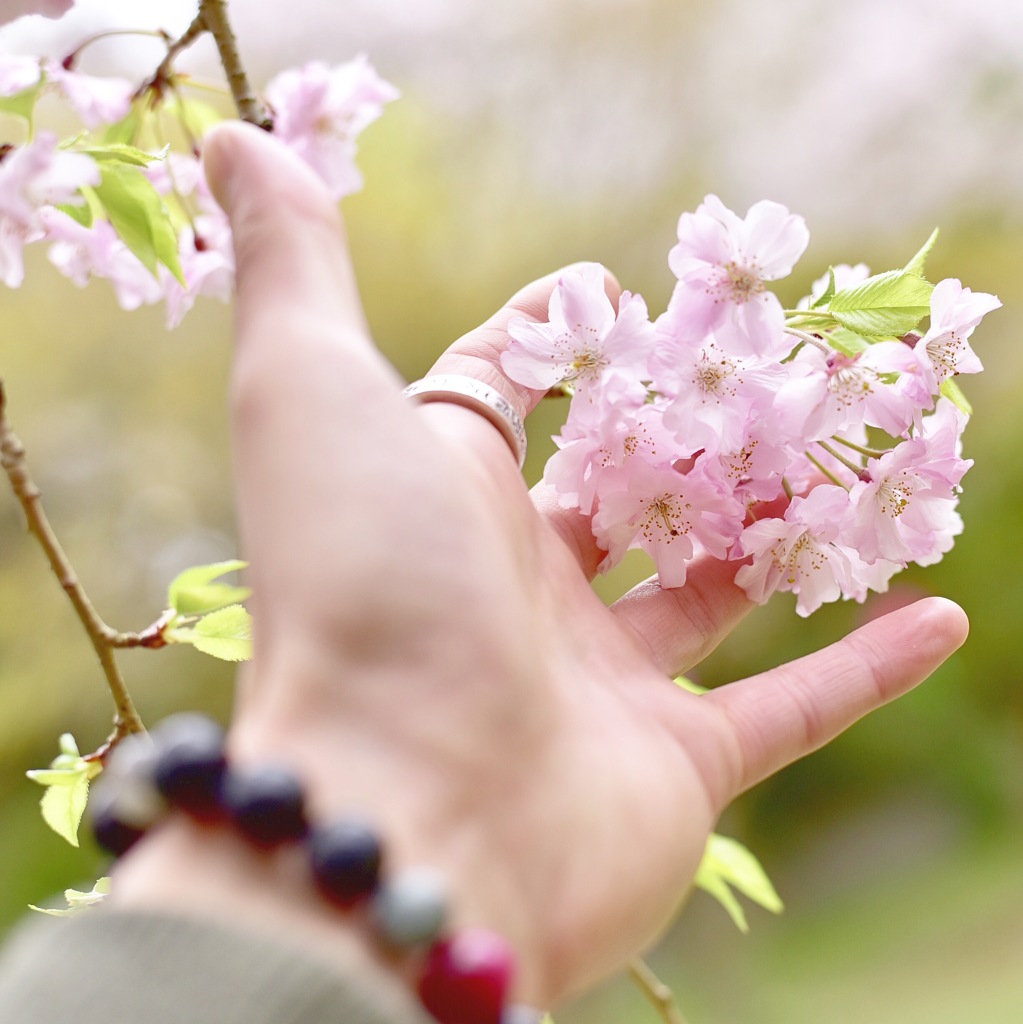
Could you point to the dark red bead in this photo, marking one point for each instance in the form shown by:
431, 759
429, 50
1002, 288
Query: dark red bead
345, 857
112, 834
266, 803
190, 763
467, 976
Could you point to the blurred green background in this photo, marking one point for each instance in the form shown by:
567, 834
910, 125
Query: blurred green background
530, 135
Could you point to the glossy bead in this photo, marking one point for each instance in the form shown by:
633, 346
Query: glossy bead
466, 978
266, 803
190, 763
345, 857
112, 832
519, 1013
409, 909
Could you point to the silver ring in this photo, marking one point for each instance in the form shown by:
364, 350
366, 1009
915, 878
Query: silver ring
481, 398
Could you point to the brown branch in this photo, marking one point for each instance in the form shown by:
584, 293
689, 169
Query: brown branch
214, 16
103, 638
656, 991
162, 75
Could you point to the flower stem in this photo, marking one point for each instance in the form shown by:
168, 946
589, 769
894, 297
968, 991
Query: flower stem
870, 453
104, 639
827, 472
656, 991
72, 58
810, 339
848, 463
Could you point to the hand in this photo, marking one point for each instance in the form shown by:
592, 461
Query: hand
428, 647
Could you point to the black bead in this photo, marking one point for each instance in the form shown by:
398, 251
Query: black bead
112, 834
190, 763
266, 803
345, 857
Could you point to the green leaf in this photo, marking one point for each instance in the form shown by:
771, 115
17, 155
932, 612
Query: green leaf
122, 153
193, 591
139, 216
846, 342
951, 390
81, 213
67, 788
22, 104
688, 684
198, 115
916, 264
887, 305
829, 292
726, 862
125, 131
77, 900
224, 634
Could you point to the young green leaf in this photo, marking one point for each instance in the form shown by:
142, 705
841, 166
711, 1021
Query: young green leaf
225, 634
916, 264
846, 342
726, 862
78, 900
951, 390
122, 153
67, 789
22, 104
829, 292
193, 591
139, 216
887, 305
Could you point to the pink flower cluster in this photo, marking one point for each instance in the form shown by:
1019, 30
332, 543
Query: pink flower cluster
318, 112
722, 428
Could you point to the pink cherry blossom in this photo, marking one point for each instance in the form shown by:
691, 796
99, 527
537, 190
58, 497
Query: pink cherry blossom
47, 8
666, 513
584, 339
18, 73
904, 508
81, 253
827, 393
601, 435
802, 553
96, 100
319, 112
722, 264
945, 350
32, 176
712, 393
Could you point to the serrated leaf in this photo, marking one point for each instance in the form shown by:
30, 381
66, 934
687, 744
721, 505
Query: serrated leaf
829, 292
916, 264
77, 900
886, 305
688, 684
224, 634
122, 153
951, 390
139, 216
63, 806
726, 862
193, 591
22, 104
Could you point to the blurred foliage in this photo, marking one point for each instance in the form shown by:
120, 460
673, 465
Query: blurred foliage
895, 849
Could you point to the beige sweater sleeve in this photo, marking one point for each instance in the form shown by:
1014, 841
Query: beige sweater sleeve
103, 967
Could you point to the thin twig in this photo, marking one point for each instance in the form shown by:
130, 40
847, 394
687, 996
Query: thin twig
103, 637
656, 991
214, 17
158, 79
810, 339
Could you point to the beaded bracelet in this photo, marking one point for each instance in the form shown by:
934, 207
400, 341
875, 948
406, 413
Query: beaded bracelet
182, 763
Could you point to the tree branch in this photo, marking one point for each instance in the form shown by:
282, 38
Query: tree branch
103, 638
214, 16
656, 991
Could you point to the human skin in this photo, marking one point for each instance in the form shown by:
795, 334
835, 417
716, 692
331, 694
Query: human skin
429, 651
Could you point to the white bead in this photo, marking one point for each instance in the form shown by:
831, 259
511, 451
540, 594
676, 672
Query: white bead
410, 908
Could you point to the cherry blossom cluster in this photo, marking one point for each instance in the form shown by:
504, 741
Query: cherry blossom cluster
821, 445
114, 202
